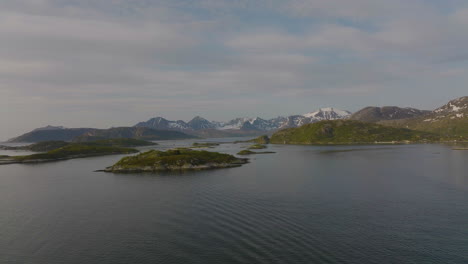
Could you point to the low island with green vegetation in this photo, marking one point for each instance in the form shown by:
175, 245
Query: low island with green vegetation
175, 160
71, 151
257, 146
264, 139
45, 146
249, 152
61, 150
350, 132
204, 145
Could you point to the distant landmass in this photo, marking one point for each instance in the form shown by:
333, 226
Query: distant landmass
92, 134
50, 133
143, 133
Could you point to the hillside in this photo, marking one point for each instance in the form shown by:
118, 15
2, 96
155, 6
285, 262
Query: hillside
376, 114
51, 134
347, 132
450, 120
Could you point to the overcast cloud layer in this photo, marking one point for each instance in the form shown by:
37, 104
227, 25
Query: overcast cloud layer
102, 63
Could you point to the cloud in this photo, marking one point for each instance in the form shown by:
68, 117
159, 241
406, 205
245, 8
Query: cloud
77, 63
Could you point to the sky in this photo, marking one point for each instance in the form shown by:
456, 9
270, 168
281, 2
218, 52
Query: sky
104, 63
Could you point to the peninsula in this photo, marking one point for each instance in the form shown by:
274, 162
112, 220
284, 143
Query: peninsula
350, 132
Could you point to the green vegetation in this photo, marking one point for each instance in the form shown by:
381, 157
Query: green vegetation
447, 128
204, 145
349, 132
257, 146
175, 159
261, 140
249, 152
46, 146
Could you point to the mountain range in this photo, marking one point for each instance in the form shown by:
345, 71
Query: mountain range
450, 121
245, 124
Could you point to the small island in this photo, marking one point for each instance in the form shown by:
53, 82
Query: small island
174, 160
204, 145
257, 146
249, 152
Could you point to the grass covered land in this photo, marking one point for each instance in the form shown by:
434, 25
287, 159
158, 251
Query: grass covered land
249, 152
349, 132
448, 128
175, 159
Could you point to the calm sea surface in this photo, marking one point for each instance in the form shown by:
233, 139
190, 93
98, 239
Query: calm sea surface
304, 204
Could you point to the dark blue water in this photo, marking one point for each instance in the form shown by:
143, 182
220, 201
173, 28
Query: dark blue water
304, 204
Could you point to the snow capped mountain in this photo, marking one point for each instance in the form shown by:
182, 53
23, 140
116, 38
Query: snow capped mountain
327, 114
198, 123
164, 124
455, 109
237, 123
454, 106
245, 123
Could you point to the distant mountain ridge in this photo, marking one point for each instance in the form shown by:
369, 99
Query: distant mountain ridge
376, 114
245, 124
449, 120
